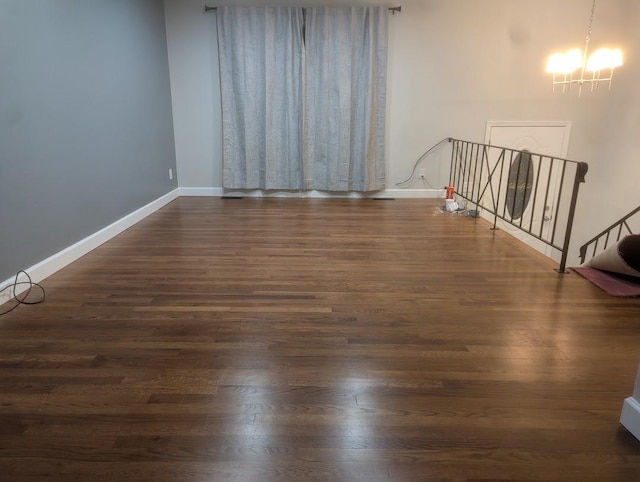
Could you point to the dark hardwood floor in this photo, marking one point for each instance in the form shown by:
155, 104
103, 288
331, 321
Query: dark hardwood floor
328, 340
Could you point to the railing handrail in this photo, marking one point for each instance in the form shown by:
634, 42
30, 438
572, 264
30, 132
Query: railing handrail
619, 223
570, 161
461, 162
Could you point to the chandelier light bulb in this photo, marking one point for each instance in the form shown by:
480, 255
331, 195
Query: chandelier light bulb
566, 63
569, 68
603, 59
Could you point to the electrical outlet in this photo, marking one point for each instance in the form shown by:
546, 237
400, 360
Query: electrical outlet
420, 172
170, 174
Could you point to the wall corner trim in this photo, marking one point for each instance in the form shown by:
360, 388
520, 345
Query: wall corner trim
50, 265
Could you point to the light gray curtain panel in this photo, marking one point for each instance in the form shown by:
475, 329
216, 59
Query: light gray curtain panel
303, 100
345, 91
261, 53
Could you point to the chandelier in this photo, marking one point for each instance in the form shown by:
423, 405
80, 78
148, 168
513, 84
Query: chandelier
578, 68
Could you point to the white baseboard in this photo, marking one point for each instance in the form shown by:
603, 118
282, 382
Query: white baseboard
387, 193
415, 193
47, 267
200, 191
630, 416
53, 263
8, 293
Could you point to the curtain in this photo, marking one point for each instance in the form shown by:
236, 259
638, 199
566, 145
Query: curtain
260, 51
303, 100
344, 94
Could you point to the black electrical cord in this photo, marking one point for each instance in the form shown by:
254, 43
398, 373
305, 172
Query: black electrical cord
22, 298
412, 177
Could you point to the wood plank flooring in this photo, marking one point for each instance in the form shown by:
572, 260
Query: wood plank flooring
317, 340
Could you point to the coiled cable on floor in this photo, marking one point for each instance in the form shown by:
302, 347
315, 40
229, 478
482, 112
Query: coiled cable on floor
21, 299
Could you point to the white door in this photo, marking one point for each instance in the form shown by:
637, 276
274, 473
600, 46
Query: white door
548, 138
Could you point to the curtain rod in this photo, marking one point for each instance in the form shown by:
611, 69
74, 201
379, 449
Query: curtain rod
393, 10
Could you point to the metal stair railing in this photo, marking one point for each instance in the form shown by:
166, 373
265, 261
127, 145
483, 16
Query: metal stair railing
623, 228
497, 181
521, 188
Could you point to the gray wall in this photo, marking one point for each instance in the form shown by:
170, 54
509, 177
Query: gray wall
195, 85
86, 129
